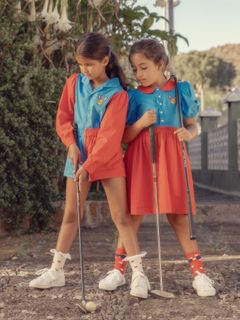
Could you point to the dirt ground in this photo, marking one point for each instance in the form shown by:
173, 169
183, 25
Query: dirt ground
217, 227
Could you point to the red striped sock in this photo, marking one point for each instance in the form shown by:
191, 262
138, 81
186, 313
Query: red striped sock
195, 263
119, 264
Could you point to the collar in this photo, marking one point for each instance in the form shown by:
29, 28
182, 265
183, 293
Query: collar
168, 86
110, 83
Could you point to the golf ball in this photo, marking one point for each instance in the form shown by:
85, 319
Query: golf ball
90, 306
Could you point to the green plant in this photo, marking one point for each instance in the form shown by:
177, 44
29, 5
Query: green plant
30, 153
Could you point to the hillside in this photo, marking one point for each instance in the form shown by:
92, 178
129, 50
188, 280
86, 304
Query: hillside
229, 53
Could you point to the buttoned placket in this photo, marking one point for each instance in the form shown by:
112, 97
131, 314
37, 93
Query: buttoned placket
159, 100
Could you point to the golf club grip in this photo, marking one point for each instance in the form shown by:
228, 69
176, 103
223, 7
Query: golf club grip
189, 202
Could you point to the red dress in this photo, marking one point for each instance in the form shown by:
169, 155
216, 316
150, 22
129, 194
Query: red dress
171, 188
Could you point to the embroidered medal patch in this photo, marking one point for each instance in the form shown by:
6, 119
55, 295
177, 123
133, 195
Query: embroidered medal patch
101, 100
172, 99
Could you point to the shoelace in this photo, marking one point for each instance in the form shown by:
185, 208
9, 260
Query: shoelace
204, 276
41, 271
112, 271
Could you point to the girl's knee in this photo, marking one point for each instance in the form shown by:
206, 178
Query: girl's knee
70, 217
120, 219
177, 220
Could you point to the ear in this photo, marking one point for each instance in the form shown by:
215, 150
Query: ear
161, 66
105, 61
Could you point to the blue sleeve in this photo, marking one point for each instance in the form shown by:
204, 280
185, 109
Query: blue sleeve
189, 103
132, 114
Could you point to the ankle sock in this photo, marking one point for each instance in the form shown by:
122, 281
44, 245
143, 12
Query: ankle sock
59, 260
119, 262
195, 262
136, 262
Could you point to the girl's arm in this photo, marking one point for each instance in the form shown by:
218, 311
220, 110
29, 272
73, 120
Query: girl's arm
189, 132
65, 113
146, 120
65, 120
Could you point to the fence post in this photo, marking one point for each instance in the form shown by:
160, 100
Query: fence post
208, 120
233, 103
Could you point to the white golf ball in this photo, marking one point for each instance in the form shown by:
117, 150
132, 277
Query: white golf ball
90, 306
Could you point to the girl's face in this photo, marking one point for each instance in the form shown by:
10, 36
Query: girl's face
147, 73
92, 69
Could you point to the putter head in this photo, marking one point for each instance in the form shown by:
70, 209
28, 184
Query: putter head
81, 307
87, 306
163, 294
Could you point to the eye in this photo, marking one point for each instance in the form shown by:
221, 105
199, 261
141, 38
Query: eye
144, 68
134, 70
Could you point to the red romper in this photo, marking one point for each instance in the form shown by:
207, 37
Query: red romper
100, 116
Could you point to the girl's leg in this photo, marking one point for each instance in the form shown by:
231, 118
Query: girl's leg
54, 277
201, 283
115, 278
115, 190
69, 224
120, 253
179, 223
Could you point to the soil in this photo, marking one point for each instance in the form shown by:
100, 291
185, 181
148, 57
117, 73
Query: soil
218, 223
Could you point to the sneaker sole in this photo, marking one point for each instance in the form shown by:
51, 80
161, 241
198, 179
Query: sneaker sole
47, 287
113, 289
205, 294
138, 295
209, 294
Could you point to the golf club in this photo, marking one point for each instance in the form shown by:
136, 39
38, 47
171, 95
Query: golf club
161, 292
189, 203
85, 306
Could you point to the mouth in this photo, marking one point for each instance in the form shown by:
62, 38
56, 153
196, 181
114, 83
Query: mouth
142, 80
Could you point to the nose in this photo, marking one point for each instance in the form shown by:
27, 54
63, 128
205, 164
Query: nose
138, 74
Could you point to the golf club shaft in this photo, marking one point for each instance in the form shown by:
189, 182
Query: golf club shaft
188, 196
80, 242
153, 151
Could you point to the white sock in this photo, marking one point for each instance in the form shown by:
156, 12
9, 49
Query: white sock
59, 260
136, 262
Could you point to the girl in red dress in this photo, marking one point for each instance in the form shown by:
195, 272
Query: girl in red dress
153, 103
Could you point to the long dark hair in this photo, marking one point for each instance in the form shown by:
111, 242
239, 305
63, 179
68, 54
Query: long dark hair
95, 46
152, 49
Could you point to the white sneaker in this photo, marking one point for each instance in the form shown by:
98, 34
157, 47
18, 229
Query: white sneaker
204, 285
113, 280
48, 279
139, 285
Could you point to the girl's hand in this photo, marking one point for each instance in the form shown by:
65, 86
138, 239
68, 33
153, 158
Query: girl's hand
75, 155
183, 134
81, 175
148, 118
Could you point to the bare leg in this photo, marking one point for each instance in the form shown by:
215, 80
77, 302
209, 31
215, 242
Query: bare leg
69, 224
135, 222
115, 190
179, 223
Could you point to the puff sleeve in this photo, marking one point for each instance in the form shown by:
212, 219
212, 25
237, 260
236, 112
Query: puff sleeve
189, 103
65, 113
109, 137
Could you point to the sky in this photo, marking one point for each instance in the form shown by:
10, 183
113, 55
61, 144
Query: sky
205, 23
